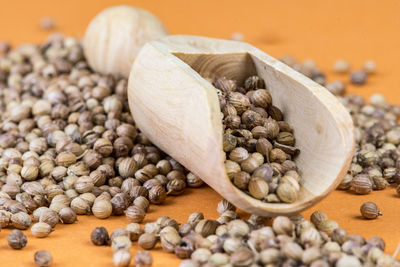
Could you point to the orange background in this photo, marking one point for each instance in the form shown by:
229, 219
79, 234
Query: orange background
321, 30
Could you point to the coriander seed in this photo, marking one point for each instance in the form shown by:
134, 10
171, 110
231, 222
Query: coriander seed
143, 258
238, 228
119, 232
67, 215
242, 257
341, 66
206, 227
142, 202
80, 206
102, 209
43, 258
283, 225
152, 228
121, 242
358, 77
369, 67
370, 210
147, 240
318, 217
169, 240
49, 217
258, 188
361, 184
185, 229
47, 23
135, 214
195, 218
16, 239
225, 205
286, 193
157, 194
99, 237
21, 220
201, 255
41, 229
122, 258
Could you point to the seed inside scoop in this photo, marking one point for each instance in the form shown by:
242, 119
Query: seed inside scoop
259, 144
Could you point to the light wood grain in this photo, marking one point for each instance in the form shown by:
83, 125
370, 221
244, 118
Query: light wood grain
116, 35
178, 109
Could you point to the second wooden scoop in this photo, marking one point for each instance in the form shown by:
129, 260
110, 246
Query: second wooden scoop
178, 109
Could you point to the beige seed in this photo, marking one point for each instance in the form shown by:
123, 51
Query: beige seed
102, 209
127, 167
258, 188
147, 240
41, 229
135, 214
328, 226
121, 242
318, 217
122, 258
143, 258
21, 220
50, 217
80, 206
287, 193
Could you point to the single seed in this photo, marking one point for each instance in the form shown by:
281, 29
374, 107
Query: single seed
341, 66
225, 205
47, 23
147, 241
369, 67
370, 210
102, 209
99, 237
121, 242
67, 215
206, 227
258, 188
135, 214
21, 220
358, 77
318, 217
41, 229
361, 184
16, 239
287, 193
122, 258
143, 258
49, 217
43, 258
119, 232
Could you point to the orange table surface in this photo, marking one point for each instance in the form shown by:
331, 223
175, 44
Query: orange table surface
321, 30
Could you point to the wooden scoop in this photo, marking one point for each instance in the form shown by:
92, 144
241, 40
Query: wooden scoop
178, 110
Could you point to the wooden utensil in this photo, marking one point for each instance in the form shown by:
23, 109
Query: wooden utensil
177, 108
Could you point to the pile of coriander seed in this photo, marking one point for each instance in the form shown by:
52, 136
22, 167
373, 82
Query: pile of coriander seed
376, 160
69, 145
259, 144
231, 241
